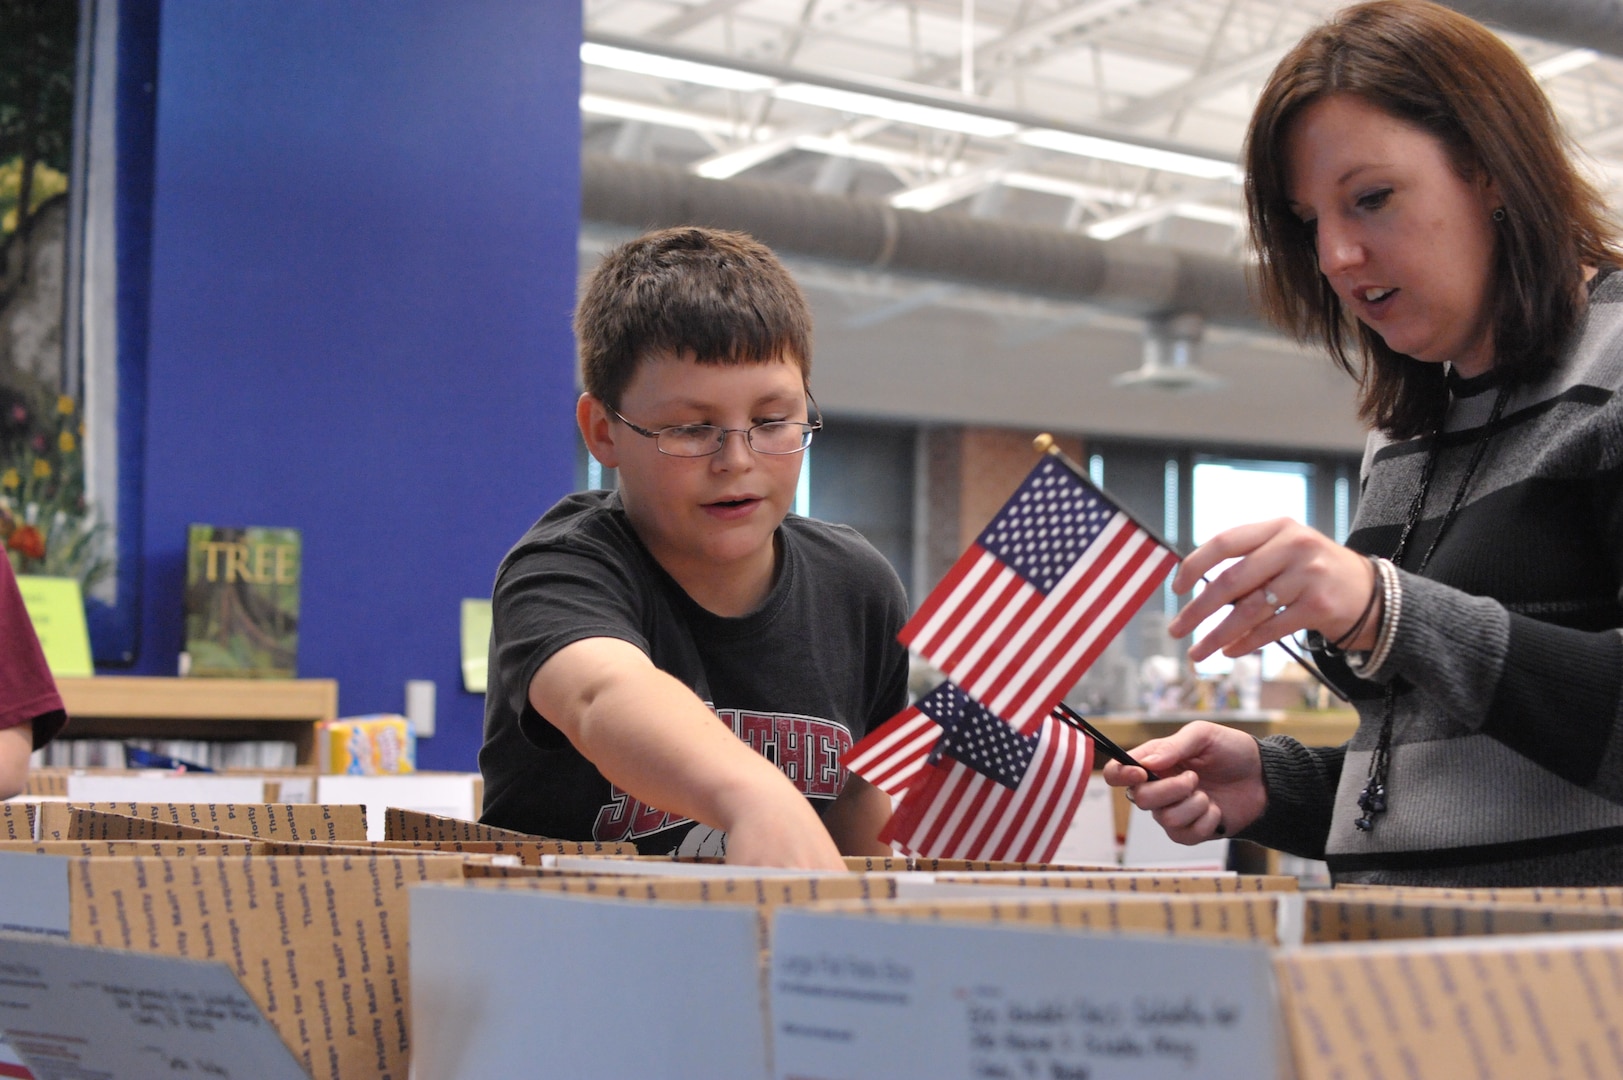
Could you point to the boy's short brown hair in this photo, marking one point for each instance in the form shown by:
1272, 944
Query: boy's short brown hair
720, 297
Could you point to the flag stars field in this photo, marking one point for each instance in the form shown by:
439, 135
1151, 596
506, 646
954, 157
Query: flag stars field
981, 767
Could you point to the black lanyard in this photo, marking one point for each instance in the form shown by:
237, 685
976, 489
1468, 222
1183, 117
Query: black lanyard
1372, 800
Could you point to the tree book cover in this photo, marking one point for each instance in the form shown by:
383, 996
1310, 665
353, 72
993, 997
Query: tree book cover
242, 602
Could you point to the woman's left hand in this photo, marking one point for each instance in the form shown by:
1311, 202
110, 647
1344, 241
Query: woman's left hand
1288, 578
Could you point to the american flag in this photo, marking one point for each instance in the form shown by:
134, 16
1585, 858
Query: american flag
889, 756
991, 792
1038, 595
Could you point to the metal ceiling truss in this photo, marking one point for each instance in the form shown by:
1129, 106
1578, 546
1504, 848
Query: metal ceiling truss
1084, 116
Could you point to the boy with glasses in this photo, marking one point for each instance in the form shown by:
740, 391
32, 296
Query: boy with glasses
680, 663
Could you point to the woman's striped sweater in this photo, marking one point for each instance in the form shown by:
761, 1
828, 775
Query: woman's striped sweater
1506, 765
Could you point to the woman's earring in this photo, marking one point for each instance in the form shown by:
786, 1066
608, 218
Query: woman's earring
1499, 214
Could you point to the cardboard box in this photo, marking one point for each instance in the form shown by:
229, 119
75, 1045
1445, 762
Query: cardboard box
403, 824
48, 781
1512, 1006
856, 995
1598, 895
1141, 881
1043, 981
131, 821
148, 786
1386, 917
587, 988
927, 864
532, 854
576, 948
319, 944
17, 820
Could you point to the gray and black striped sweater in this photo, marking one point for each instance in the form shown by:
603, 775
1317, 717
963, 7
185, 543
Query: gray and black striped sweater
1507, 762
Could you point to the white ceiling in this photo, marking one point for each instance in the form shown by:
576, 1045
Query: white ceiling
1168, 75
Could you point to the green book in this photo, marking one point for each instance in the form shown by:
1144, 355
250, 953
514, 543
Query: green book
242, 602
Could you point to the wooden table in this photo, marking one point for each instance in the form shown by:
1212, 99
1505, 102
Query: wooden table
1321, 727
155, 707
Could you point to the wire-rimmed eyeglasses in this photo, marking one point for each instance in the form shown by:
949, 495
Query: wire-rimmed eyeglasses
701, 440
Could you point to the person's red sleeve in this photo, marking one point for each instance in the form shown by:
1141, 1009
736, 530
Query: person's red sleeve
27, 691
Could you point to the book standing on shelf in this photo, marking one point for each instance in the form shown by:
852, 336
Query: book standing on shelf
242, 602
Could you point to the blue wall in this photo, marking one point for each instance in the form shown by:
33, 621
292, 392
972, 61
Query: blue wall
363, 266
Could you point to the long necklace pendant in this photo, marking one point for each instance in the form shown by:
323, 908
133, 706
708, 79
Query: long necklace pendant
1372, 801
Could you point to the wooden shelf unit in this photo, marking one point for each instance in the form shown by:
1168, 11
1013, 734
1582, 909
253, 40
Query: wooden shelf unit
155, 707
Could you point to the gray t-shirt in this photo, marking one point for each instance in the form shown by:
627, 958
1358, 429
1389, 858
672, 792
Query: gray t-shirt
813, 669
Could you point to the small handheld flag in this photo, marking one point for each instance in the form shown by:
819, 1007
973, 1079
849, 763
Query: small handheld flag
890, 756
1038, 595
990, 792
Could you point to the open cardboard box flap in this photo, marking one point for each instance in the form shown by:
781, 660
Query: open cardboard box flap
270, 821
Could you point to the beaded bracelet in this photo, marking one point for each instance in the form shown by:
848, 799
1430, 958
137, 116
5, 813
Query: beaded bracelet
1335, 647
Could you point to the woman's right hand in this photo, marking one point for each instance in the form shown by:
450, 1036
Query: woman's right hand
1210, 781
1286, 577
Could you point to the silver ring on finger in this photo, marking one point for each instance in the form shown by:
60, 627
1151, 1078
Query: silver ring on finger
1271, 599
1129, 793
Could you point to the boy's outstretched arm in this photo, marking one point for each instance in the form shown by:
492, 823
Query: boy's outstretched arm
651, 736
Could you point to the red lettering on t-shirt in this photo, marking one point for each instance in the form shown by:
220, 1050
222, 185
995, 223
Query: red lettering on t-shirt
794, 749
806, 749
647, 819
827, 777
626, 818
759, 731
613, 818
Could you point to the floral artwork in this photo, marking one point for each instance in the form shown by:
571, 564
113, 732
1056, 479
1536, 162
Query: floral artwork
46, 525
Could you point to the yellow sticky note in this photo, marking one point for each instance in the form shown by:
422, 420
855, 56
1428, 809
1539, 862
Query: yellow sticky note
475, 645
57, 610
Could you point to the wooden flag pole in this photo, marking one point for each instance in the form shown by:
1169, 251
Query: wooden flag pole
1046, 444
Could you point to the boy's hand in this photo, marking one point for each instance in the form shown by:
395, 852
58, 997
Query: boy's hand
769, 823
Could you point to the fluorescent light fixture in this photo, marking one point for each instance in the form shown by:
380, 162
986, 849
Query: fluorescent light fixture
841, 146
620, 109
730, 164
939, 193
903, 112
1121, 224
665, 67
1067, 189
1145, 157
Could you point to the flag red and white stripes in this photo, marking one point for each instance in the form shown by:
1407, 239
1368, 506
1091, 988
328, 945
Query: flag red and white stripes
1029, 607
891, 755
954, 810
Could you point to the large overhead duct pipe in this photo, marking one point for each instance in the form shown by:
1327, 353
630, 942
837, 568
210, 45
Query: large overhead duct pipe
1583, 24
1134, 278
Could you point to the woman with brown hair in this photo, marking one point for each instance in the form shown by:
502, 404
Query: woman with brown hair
1414, 208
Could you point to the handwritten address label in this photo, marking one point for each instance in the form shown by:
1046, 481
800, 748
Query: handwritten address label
1065, 1038
856, 998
